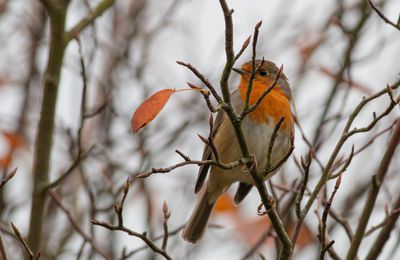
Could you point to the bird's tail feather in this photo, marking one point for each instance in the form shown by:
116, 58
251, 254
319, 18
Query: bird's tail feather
197, 224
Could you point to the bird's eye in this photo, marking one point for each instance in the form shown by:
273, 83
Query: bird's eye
263, 73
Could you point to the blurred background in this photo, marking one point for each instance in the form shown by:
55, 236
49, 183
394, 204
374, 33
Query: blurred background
333, 52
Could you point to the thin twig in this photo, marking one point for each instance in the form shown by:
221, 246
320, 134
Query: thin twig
206, 95
384, 18
346, 164
280, 162
3, 250
90, 18
70, 169
171, 233
8, 177
244, 47
203, 79
229, 53
188, 161
142, 236
306, 168
322, 229
254, 70
343, 222
32, 256
211, 139
166, 214
118, 208
272, 142
56, 198
384, 234
383, 223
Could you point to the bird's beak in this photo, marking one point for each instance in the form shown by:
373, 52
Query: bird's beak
241, 72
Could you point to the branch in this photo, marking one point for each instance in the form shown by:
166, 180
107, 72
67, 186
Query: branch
172, 233
118, 208
287, 248
3, 251
32, 256
142, 236
343, 222
244, 47
383, 223
56, 198
384, 18
44, 135
8, 177
70, 169
97, 11
268, 169
166, 214
345, 165
322, 230
373, 192
81, 154
206, 95
203, 79
230, 55
384, 234
306, 168
188, 161
353, 38
254, 70
345, 135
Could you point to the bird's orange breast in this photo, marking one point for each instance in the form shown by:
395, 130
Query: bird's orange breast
275, 104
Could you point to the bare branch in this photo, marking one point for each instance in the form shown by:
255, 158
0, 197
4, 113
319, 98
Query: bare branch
343, 222
171, 233
322, 229
188, 161
206, 95
344, 137
3, 251
373, 192
203, 79
254, 70
32, 256
230, 55
384, 234
90, 18
384, 18
56, 198
166, 214
244, 47
8, 177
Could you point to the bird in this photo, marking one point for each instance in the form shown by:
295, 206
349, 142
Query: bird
258, 127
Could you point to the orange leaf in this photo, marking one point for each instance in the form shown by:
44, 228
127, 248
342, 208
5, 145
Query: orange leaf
150, 108
224, 204
5, 161
15, 140
250, 231
305, 236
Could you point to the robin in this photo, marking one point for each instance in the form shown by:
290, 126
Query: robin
257, 128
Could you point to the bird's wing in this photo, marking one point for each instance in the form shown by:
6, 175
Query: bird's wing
242, 191
207, 154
